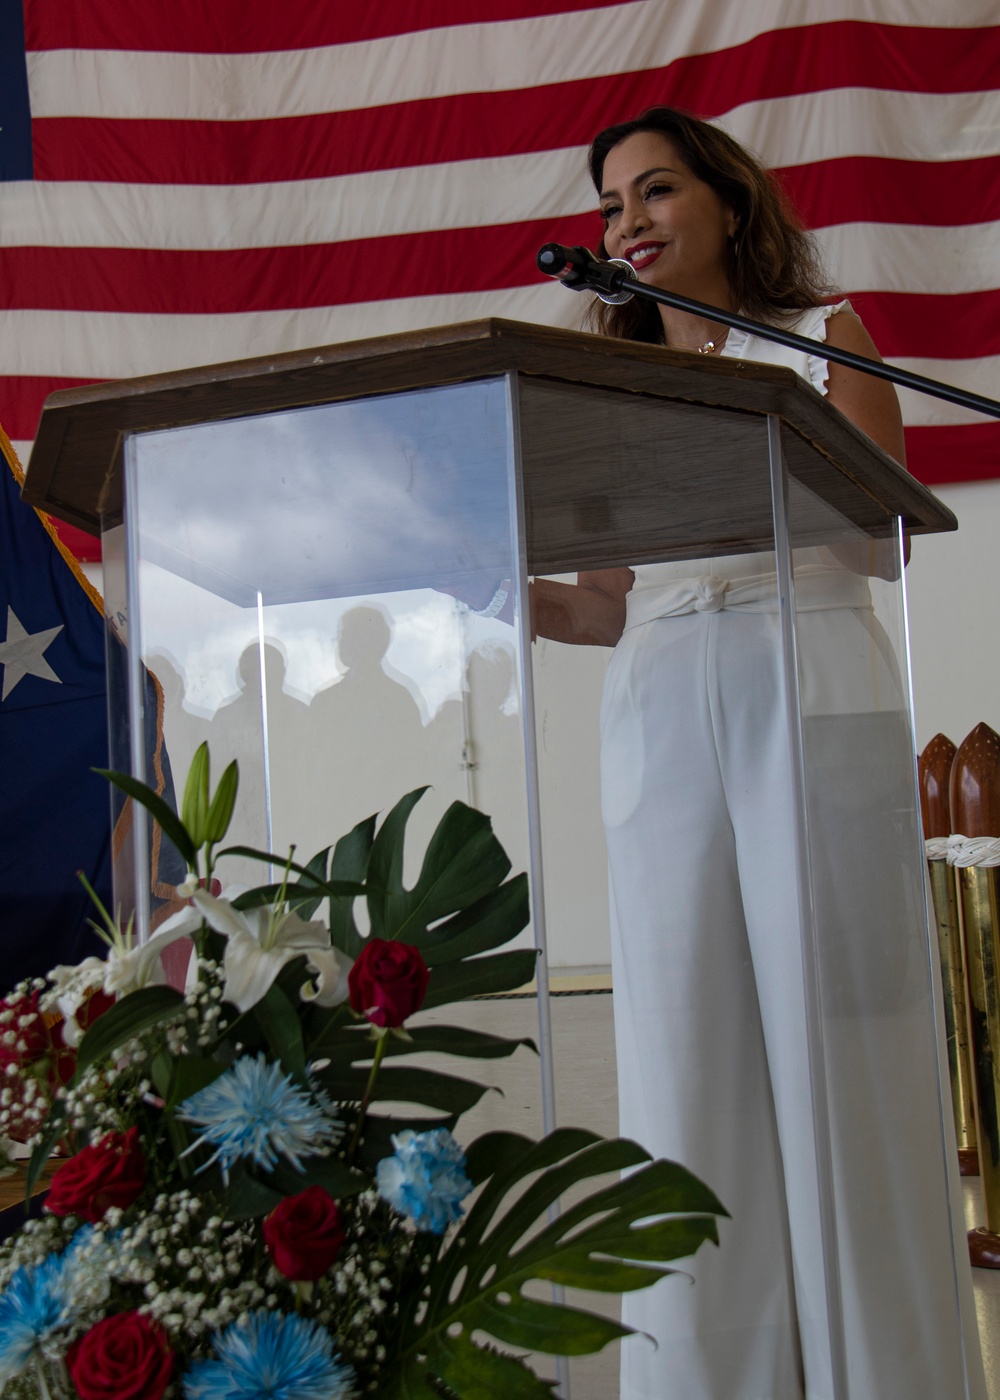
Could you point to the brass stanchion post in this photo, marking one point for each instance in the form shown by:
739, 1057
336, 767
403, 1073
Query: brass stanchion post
975, 809
934, 765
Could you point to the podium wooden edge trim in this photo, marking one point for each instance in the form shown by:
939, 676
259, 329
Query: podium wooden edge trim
74, 471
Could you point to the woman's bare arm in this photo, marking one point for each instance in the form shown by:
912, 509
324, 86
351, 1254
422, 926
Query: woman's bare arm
867, 401
873, 405
590, 612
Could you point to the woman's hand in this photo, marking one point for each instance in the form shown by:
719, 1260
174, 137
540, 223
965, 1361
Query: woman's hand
590, 612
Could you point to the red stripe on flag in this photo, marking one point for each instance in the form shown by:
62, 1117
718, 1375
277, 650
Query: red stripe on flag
874, 189
472, 126
966, 452
22, 397
219, 282
86, 548
233, 26
931, 327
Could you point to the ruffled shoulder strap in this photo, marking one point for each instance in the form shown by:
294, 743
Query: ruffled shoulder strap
812, 323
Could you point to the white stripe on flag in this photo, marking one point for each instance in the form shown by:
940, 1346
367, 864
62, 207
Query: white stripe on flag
374, 204
932, 126
109, 345
910, 257
437, 62
980, 376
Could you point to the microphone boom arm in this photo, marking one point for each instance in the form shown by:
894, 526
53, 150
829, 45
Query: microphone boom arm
587, 272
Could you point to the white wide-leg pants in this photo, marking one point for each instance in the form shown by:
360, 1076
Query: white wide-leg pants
713, 1060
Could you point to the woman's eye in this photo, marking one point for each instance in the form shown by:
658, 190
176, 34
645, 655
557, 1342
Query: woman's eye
610, 211
659, 188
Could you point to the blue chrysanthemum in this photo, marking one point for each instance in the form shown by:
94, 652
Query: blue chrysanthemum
271, 1356
36, 1303
425, 1179
49, 1297
255, 1110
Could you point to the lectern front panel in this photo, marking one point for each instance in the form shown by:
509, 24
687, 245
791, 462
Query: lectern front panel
328, 595
627, 478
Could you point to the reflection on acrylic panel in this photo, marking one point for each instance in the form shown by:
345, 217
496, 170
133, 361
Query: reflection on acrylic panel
363, 700
308, 586
346, 499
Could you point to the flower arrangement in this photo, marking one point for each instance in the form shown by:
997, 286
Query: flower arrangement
263, 1197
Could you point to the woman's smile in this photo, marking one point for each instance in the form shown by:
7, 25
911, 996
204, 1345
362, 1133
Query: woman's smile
642, 255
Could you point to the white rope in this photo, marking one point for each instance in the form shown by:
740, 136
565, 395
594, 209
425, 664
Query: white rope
964, 850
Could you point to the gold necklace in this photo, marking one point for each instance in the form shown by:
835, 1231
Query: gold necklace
707, 349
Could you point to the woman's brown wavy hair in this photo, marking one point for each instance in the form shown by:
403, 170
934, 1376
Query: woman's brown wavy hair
773, 265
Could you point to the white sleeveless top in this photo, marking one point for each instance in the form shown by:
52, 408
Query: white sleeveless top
747, 581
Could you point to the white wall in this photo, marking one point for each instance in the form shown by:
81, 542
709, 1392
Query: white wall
953, 586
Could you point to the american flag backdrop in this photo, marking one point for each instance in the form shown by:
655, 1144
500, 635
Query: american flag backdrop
185, 182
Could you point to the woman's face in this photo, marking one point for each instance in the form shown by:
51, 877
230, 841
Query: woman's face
672, 227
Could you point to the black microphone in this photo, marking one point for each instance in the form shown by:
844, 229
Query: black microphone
578, 268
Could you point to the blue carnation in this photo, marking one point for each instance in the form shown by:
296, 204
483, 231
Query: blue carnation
36, 1303
425, 1179
271, 1356
255, 1110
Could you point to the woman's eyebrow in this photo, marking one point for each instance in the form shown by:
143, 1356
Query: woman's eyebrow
656, 170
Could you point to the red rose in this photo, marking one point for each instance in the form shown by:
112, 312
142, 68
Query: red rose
109, 1173
124, 1357
388, 982
304, 1234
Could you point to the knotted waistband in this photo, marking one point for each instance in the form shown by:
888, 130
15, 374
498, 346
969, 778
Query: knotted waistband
815, 590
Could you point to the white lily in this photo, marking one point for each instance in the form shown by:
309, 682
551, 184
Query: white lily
70, 988
128, 966
259, 942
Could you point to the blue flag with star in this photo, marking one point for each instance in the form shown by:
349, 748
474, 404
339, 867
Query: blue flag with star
15, 112
55, 815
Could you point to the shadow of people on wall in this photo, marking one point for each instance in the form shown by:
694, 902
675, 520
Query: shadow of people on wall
366, 741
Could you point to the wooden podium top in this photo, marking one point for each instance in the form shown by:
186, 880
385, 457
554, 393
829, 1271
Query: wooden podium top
600, 419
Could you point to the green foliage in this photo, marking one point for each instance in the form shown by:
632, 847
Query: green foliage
204, 818
460, 908
616, 1240
194, 805
220, 810
169, 822
460, 1324
464, 863
302, 893
138, 1012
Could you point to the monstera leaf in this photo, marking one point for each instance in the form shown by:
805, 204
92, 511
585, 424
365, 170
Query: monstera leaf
616, 1240
461, 908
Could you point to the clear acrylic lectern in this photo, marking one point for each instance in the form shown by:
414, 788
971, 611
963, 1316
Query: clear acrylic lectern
323, 557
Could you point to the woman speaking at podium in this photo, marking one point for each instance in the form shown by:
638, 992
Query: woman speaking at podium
713, 1055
